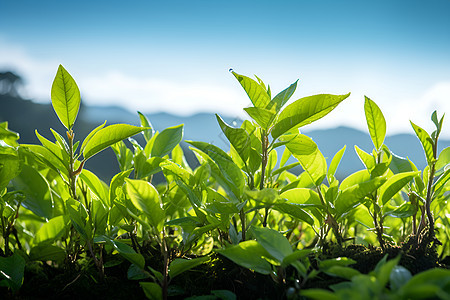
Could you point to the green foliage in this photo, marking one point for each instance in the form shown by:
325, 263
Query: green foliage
245, 205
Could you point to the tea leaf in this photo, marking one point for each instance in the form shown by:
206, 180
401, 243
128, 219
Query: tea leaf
305, 111
257, 94
262, 116
238, 137
152, 290
145, 198
90, 135
166, 141
308, 154
444, 158
52, 230
274, 242
148, 133
335, 163
12, 271
65, 97
108, 136
394, 184
375, 122
250, 255
426, 141
97, 186
180, 265
280, 100
37, 191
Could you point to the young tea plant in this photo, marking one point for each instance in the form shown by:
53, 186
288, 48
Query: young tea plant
84, 213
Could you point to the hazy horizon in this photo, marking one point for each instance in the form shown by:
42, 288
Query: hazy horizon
174, 57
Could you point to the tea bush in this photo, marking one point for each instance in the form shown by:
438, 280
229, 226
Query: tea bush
240, 213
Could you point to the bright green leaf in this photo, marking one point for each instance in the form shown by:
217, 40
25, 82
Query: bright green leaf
274, 242
145, 198
249, 254
108, 136
166, 141
394, 184
426, 141
257, 94
305, 111
65, 97
375, 122
238, 137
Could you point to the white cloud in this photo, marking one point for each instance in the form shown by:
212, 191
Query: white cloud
156, 94
37, 74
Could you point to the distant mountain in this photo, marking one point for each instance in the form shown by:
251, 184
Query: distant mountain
25, 116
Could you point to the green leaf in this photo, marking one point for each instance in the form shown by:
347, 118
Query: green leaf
65, 97
305, 111
52, 230
166, 141
319, 294
180, 265
90, 135
145, 198
47, 252
98, 187
375, 122
227, 170
37, 191
148, 133
117, 182
257, 94
47, 158
308, 154
238, 137
367, 159
418, 285
108, 136
353, 195
334, 164
405, 210
128, 253
280, 100
151, 290
274, 242
262, 116
8, 136
394, 184
57, 150
12, 271
294, 210
442, 180
249, 254
444, 158
426, 141
10, 165
302, 196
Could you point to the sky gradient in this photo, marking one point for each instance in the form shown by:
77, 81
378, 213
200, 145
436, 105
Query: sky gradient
174, 56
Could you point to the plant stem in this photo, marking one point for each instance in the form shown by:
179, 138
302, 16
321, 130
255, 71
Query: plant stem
242, 217
264, 156
165, 253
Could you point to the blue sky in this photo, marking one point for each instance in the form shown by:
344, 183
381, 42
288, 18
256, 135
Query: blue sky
174, 56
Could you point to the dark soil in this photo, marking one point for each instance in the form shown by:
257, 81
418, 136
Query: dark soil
43, 281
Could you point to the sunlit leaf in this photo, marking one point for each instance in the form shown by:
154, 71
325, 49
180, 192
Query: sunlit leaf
257, 94
146, 199
305, 111
238, 137
426, 141
394, 184
65, 97
166, 141
249, 254
108, 136
375, 122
